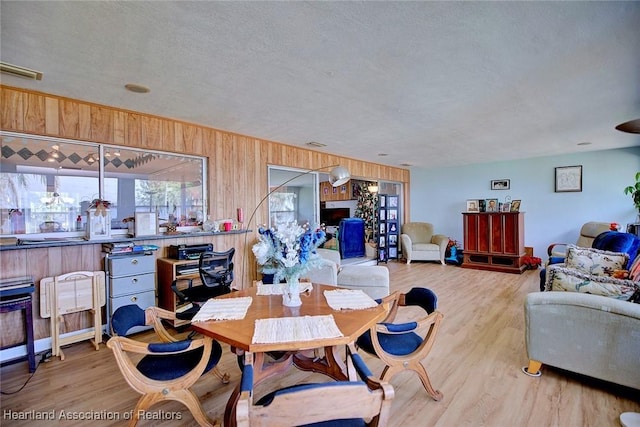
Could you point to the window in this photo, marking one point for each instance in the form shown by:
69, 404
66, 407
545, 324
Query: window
47, 184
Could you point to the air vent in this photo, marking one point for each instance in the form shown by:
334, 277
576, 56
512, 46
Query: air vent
17, 71
316, 144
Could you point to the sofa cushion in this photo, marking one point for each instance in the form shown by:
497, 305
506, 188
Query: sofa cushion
615, 241
571, 280
426, 247
595, 261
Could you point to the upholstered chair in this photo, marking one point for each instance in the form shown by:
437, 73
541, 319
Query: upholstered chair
419, 243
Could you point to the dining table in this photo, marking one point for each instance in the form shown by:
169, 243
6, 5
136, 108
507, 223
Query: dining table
274, 353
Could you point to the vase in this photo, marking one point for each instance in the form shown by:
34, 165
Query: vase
291, 292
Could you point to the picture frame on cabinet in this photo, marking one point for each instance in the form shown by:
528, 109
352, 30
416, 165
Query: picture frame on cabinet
506, 207
500, 184
473, 206
515, 206
492, 205
568, 179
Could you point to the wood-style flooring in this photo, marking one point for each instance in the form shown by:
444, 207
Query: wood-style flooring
475, 362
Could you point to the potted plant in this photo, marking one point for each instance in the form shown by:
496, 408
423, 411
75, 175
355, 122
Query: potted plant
634, 191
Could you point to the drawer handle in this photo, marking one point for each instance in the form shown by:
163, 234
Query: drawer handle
134, 280
134, 299
134, 261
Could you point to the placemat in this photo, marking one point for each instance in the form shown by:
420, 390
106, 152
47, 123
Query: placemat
290, 329
265, 289
223, 309
349, 299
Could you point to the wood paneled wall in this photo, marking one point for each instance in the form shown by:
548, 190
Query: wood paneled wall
237, 166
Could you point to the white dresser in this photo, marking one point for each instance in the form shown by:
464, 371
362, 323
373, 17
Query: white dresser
131, 279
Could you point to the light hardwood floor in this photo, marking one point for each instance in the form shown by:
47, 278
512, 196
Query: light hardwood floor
475, 362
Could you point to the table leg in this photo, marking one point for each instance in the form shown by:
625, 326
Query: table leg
328, 365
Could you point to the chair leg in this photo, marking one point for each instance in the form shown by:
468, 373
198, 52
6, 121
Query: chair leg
422, 373
191, 401
224, 376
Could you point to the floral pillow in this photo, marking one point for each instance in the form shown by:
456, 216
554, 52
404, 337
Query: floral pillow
595, 261
570, 280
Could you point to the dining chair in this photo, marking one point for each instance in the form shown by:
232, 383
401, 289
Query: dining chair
168, 368
363, 400
403, 346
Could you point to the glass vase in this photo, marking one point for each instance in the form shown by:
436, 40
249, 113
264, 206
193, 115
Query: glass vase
291, 292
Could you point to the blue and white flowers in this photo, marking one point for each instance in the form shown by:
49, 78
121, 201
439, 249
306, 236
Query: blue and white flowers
288, 251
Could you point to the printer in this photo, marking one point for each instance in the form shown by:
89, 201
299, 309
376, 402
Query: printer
181, 252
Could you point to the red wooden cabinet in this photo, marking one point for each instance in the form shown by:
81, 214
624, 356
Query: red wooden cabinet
494, 241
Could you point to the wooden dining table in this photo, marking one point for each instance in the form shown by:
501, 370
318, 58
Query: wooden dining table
302, 354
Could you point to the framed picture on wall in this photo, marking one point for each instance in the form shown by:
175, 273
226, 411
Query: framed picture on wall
500, 184
568, 178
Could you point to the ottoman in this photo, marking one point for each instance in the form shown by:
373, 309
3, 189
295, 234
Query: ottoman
373, 280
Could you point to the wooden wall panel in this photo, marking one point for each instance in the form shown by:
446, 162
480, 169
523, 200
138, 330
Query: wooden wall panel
237, 166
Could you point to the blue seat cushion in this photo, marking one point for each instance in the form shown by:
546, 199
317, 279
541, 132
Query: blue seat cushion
168, 367
351, 422
396, 344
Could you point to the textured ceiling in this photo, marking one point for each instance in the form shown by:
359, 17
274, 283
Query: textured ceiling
427, 83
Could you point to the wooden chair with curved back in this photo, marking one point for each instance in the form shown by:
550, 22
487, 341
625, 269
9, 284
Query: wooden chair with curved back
403, 346
168, 368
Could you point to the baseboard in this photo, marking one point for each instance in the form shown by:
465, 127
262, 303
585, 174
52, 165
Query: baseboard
41, 345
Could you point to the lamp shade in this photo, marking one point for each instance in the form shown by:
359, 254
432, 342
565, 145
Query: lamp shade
338, 176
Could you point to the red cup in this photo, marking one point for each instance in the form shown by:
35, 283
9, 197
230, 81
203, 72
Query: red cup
227, 226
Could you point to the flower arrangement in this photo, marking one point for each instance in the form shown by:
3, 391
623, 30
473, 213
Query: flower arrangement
287, 251
531, 262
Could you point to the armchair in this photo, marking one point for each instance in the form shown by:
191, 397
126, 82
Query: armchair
403, 346
371, 279
588, 232
420, 244
362, 401
167, 369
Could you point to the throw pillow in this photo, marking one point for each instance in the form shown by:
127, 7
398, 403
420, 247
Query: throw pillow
615, 241
595, 261
570, 280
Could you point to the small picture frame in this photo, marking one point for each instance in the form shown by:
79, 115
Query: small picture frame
383, 201
500, 184
383, 228
393, 253
568, 179
492, 205
383, 215
146, 224
392, 227
393, 201
505, 207
393, 241
515, 206
473, 206
393, 214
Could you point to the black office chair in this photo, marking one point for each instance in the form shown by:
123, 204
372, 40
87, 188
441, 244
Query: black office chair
216, 275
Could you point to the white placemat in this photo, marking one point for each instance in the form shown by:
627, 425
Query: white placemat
349, 299
290, 329
223, 309
265, 289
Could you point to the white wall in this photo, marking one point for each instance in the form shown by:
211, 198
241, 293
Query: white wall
439, 195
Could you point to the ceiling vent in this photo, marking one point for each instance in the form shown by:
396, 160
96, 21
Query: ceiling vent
17, 71
316, 144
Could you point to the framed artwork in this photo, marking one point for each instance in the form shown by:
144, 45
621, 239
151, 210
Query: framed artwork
515, 206
383, 242
506, 207
393, 252
500, 184
393, 241
382, 255
393, 201
492, 205
383, 228
383, 215
393, 214
393, 227
146, 224
473, 206
568, 178
383, 201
